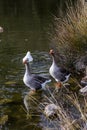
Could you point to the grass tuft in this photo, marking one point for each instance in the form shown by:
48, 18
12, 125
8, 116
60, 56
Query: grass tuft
71, 114
69, 34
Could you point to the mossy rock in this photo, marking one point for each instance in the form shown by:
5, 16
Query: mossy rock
3, 119
5, 101
10, 82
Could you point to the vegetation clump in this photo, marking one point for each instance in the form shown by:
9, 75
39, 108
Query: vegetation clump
70, 35
71, 113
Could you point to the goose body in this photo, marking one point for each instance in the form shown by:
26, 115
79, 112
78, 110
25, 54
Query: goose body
58, 73
33, 81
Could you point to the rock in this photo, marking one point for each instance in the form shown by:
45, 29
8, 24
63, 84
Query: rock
84, 90
81, 63
1, 29
51, 110
5, 101
84, 81
3, 119
84, 84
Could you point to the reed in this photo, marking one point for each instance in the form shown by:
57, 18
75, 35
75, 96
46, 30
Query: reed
71, 113
68, 105
69, 33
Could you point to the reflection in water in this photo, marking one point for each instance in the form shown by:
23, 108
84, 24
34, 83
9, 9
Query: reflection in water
32, 101
35, 103
26, 24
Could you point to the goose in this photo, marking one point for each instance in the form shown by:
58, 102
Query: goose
61, 75
33, 81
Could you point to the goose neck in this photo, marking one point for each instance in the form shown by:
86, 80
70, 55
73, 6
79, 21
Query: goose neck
54, 59
28, 72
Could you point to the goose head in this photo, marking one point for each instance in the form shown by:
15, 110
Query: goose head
51, 52
28, 58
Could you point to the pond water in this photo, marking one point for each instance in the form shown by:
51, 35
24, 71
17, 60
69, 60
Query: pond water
25, 25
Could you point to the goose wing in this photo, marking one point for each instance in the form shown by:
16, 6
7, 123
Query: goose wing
64, 71
34, 83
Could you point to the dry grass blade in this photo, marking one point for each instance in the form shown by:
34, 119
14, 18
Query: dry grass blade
75, 102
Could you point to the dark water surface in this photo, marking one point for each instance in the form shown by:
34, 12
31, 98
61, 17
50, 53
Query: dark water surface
26, 24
